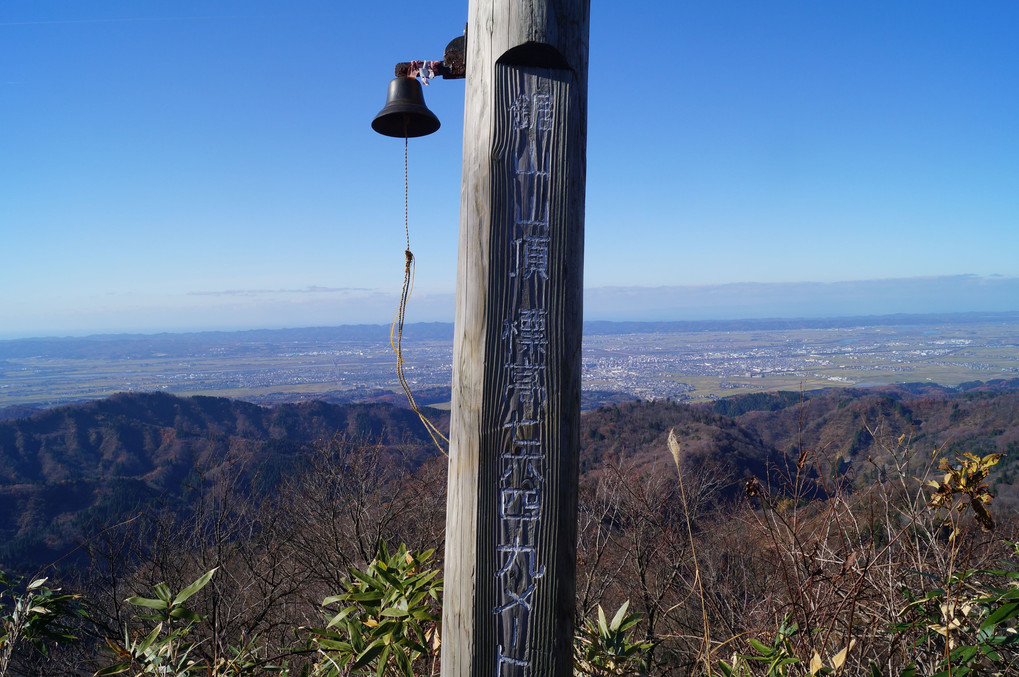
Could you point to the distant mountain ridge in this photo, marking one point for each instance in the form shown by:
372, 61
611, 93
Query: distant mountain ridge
979, 417
110, 346
64, 471
124, 346
69, 470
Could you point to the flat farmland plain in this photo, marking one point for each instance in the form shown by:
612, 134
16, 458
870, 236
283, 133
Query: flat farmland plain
682, 361
709, 364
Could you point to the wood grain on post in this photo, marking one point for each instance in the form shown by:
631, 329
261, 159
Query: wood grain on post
514, 440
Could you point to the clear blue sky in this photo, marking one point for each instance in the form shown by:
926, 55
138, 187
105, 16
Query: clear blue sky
190, 165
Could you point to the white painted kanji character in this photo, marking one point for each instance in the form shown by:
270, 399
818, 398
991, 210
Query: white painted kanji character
521, 600
520, 504
511, 662
529, 163
532, 331
535, 257
525, 442
516, 551
525, 380
520, 112
544, 111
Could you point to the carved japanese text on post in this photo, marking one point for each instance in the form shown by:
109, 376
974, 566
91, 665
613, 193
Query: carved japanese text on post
527, 252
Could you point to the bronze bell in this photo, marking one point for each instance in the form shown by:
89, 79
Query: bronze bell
405, 113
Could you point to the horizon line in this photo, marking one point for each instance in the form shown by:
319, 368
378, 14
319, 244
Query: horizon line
876, 318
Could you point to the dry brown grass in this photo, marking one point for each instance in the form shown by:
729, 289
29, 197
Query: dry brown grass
809, 551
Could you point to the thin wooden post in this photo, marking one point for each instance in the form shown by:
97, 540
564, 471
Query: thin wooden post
511, 513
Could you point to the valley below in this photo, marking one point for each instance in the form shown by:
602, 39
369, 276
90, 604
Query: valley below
684, 361
285, 458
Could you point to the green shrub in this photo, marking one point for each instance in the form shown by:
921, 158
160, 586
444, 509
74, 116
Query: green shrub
388, 621
168, 647
37, 616
607, 648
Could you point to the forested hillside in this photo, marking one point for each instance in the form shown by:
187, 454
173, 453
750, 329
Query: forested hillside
852, 428
69, 471
795, 506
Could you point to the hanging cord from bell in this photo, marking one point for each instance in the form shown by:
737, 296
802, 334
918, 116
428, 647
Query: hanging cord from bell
396, 331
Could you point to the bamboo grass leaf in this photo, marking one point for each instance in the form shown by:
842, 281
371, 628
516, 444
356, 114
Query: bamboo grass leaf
189, 591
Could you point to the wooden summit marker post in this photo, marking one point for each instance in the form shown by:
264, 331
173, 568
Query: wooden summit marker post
512, 508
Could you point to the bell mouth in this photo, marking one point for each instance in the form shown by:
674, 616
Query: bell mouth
405, 114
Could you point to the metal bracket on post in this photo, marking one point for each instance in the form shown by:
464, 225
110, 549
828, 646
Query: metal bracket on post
452, 67
405, 114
